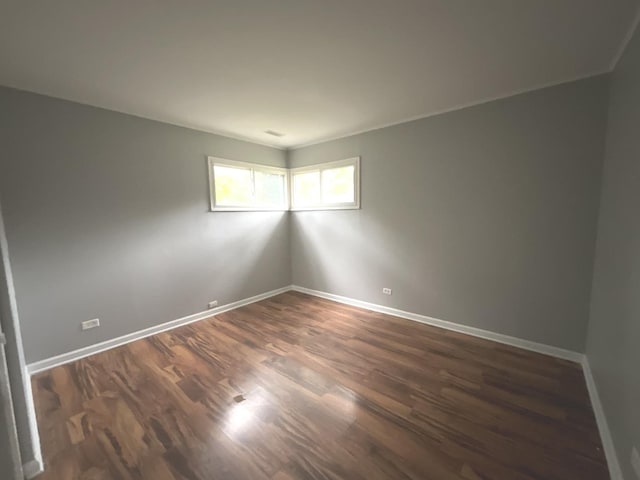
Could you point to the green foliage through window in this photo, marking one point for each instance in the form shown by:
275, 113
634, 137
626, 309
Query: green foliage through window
245, 186
332, 185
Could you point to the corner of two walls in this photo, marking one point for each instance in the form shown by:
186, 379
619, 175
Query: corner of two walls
287, 158
614, 326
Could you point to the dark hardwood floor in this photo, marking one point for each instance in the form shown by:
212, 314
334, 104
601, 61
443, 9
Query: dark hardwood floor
297, 387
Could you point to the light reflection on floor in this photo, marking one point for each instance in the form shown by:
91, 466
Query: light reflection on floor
245, 415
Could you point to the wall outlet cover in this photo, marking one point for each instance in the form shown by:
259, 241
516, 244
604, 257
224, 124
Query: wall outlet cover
213, 304
88, 324
387, 291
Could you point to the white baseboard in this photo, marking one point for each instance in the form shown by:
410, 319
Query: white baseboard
35, 466
74, 355
32, 469
615, 472
456, 327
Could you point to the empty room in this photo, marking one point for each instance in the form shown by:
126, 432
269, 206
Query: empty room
320, 240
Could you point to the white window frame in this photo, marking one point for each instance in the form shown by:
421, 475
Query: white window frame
355, 205
253, 167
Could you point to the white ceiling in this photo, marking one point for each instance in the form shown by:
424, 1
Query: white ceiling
313, 69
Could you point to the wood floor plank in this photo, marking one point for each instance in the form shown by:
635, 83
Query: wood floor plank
297, 387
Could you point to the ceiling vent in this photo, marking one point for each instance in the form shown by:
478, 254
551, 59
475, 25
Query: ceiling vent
274, 133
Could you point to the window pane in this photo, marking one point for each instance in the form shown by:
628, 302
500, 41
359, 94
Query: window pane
233, 186
306, 189
338, 185
270, 189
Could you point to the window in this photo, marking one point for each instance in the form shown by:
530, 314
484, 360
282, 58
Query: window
247, 186
237, 186
328, 186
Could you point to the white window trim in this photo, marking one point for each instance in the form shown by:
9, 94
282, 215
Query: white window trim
288, 182
212, 161
355, 205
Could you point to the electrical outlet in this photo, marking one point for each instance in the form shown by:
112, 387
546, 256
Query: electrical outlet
213, 304
635, 461
386, 291
89, 324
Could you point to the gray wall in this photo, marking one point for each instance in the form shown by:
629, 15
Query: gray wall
107, 216
613, 346
485, 216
